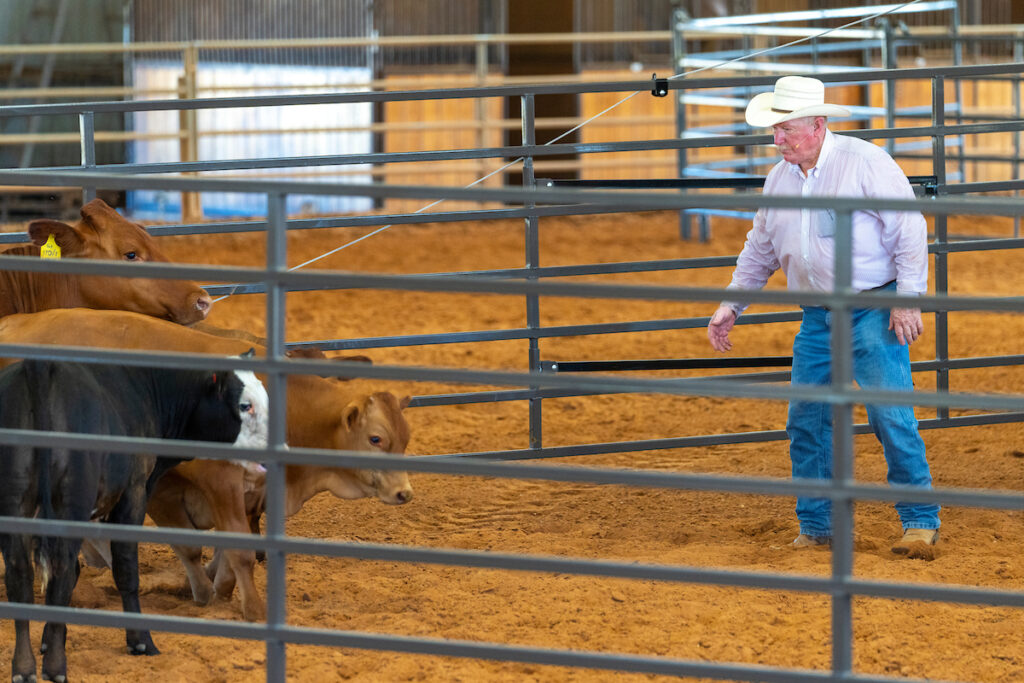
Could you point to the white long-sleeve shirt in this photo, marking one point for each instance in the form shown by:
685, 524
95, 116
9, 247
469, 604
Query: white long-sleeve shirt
887, 245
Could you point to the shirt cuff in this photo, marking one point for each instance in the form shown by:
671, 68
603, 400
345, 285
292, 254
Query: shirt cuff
736, 307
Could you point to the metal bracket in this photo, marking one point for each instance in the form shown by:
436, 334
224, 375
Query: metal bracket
660, 86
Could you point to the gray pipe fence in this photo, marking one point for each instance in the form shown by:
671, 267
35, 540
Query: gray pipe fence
532, 282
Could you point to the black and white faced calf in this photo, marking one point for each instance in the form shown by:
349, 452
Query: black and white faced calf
75, 484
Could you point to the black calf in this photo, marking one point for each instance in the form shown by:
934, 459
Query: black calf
73, 484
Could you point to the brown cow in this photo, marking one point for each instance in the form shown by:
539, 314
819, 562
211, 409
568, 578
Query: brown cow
322, 413
101, 234
372, 422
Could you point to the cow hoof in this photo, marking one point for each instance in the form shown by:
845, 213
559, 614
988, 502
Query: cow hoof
59, 678
140, 643
251, 613
42, 648
20, 678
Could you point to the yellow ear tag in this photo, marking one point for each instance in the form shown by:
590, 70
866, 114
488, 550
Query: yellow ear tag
50, 249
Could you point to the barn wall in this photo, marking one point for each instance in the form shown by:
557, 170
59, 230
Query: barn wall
441, 125
24, 22
32, 21
420, 126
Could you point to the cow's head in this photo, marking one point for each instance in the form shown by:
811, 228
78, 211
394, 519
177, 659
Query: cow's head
254, 408
374, 423
103, 233
217, 413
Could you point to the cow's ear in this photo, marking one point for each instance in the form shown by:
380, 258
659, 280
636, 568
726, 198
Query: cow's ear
66, 236
350, 416
404, 402
218, 382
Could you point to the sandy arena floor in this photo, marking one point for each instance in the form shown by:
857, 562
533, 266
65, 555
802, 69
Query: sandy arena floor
725, 531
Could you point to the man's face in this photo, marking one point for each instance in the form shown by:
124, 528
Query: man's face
797, 140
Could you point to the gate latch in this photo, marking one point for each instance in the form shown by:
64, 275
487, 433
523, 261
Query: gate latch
660, 86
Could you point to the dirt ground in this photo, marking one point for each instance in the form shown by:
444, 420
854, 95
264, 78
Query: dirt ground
693, 529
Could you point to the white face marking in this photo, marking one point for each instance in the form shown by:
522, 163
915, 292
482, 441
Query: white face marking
253, 407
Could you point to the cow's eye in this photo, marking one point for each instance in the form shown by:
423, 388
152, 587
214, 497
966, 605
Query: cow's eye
131, 256
375, 440
245, 407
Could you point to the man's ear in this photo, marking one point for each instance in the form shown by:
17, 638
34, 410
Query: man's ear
66, 236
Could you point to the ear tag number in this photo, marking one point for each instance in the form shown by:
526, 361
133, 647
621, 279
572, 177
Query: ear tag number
50, 249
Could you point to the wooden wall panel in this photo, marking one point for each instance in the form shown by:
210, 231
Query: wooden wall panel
642, 117
978, 99
440, 125
990, 98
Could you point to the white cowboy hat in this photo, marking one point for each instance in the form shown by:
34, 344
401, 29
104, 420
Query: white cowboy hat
794, 98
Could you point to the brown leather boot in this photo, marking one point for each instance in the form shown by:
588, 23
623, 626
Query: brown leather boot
915, 538
805, 541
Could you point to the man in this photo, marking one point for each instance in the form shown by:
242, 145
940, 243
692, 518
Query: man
890, 252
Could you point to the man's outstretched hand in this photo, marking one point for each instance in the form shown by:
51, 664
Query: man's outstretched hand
718, 329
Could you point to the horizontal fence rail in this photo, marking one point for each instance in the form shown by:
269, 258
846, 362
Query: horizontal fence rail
543, 379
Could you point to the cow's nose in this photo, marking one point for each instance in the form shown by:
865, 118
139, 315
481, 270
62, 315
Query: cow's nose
203, 304
403, 496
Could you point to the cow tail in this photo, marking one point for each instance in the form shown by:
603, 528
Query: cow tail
38, 382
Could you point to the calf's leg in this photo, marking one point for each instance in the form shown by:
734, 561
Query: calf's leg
191, 558
168, 507
130, 509
225, 494
18, 579
64, 570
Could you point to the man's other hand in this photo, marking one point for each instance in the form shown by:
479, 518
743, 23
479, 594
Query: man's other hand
718, 329
907, 324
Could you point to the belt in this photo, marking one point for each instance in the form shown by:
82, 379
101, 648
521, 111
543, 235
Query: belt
890, 282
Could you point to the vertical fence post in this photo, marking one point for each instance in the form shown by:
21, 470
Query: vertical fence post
480, 104
1018, 57
941, 225
889, 62
87, 129
958, 86
842, 450
188, 89
277, 240
678, 59
532, 261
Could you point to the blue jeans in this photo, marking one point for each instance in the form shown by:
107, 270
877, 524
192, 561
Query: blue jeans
879, 362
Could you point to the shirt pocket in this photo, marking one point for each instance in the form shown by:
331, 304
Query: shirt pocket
824, 222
